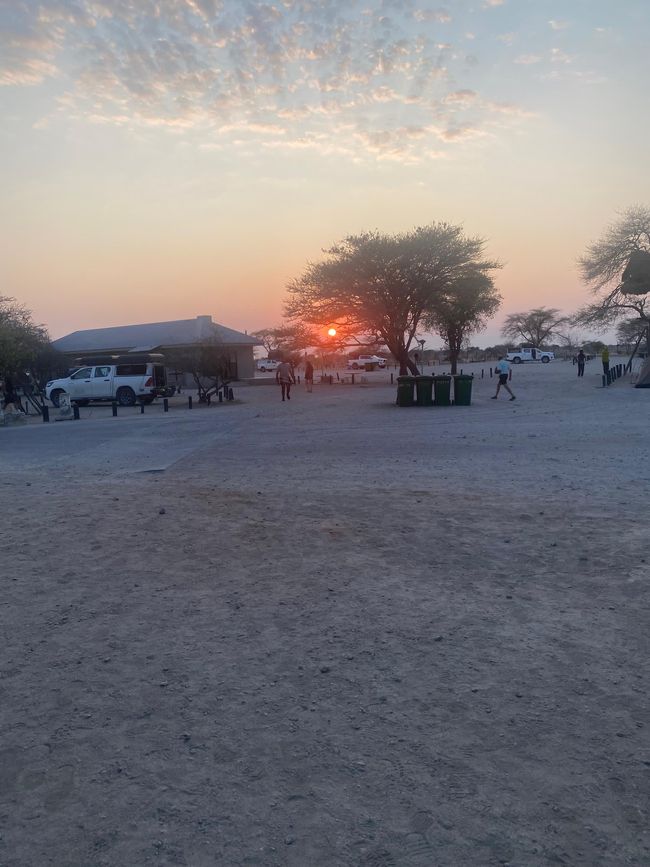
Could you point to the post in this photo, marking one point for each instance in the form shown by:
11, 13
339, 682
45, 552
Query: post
482, 373
221, 397
46, 413
114, 408
189, 402
231, 394
165, 404
75, 412
391, 379
141, 407
490, 373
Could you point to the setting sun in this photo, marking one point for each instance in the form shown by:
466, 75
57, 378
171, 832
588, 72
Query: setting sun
331, 332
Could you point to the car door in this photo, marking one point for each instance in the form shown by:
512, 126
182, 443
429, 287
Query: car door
102, 384
80, 387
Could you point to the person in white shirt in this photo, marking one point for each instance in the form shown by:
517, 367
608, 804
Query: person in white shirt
502, 369
284, 376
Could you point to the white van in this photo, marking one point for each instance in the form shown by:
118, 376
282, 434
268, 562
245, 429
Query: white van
123, 378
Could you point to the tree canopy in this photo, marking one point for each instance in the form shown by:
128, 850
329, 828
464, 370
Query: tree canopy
616, 268
22, 342
377, 288
463, 309
535, 327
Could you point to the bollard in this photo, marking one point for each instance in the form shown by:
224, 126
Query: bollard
142, 408
490, 373
482, 373
209, 400
609, 377
231, 394
189, 402
165, 404
46, 413
75, 412
391, 378
220, 397
114, 408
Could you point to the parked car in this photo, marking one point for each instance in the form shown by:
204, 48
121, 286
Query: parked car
265, 364
529, 353
125, 379
363, 362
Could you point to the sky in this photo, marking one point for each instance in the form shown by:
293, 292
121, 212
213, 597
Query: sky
163, 159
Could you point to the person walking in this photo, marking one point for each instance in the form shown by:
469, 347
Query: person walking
285, 377
309, 375
581, 363
503, 371
604, 357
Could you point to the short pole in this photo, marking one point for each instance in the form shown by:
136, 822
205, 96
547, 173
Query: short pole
114, 408
490, 373
142, 408
46, 413
165, 404
482, 373
391, 378
221, 397
189, 402
75, 412
231, 394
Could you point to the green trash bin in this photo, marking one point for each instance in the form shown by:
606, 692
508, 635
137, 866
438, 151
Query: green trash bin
424, 386
442, 390
405, 389
463, 389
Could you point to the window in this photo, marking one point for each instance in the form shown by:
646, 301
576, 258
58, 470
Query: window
130, 370
84, 373
102, 372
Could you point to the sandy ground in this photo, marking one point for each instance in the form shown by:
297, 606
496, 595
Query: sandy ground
330, 631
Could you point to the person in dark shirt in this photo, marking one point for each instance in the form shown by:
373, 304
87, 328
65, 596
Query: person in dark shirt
581, 363
309, 375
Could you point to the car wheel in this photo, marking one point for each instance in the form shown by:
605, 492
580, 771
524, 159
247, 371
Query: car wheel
355, 367
54, 397
545, 360
125, 396
263, 369
516, 360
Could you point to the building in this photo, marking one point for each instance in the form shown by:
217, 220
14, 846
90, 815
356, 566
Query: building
165, 337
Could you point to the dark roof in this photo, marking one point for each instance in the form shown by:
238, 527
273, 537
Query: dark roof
153, 335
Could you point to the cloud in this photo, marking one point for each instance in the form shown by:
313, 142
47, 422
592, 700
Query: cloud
528, 59
287, 73
558, 25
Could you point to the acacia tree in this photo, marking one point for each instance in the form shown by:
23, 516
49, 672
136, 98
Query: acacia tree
377, 288
616, 268
287, 341
209, 364
21, 340
536, 327
463, 309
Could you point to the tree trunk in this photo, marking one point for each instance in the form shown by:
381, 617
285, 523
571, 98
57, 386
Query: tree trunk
453, 358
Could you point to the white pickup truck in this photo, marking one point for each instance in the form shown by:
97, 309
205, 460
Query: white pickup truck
125, 379
529, 353
366, 362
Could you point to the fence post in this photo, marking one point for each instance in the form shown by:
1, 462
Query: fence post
142, 407
46, 413
114, 408
165, 404
75, 412
189, 402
